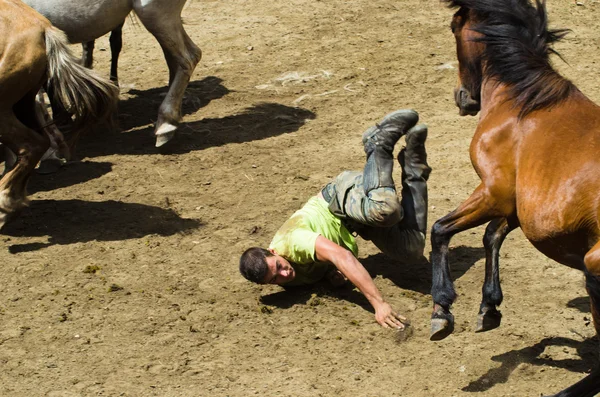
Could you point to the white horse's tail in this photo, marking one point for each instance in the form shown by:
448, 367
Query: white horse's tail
84, 94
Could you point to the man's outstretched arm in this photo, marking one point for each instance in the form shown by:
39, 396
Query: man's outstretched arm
328, 251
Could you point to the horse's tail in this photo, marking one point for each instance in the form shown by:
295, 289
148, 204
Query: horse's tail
84, 94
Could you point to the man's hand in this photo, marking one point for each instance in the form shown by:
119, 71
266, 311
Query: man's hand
349, 266
387, 317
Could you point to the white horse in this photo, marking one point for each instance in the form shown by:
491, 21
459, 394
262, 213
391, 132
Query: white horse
86, 20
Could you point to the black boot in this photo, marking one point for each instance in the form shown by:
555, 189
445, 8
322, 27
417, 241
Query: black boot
379, 142
415, 172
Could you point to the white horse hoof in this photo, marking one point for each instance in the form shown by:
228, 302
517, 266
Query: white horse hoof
164, 134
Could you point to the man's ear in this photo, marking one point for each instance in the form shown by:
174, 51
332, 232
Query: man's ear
271, 250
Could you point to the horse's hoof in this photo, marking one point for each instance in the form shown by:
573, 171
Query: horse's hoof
442, 325
488, 320
164, 134
440, 329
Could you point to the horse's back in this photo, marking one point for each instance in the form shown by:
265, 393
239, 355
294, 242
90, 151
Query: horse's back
83, 20
558, 173
23, 49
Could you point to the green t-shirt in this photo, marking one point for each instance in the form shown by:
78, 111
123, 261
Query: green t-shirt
295, 240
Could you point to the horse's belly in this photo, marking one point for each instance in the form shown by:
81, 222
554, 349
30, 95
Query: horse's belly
561, 231
83, 20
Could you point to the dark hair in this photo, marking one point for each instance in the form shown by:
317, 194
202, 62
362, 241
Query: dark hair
253, 264
517, 49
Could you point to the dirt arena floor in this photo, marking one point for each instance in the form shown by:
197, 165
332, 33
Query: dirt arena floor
121, 277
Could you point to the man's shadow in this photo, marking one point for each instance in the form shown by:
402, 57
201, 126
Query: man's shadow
415, 277
75, 221
533, 355
302, 295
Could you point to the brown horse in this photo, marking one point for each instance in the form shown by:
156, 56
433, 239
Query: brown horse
33, 53
536, 150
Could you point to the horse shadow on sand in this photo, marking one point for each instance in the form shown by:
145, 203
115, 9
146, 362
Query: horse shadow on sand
534, 355
70, 174
140, 107
259, 121
409, 276
76, 221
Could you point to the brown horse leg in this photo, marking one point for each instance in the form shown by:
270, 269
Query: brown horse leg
489, 316
58, 152
476, 210
592, 275
590, 385
29, 147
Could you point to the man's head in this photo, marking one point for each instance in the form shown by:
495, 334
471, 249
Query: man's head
263, 266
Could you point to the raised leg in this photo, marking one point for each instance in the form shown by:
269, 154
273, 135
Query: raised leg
163, 20
405, 241
116, 44
29, 146
415, 173
489, 316
59, 151
478, 209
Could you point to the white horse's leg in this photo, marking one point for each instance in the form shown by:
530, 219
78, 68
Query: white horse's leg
116, 44
87, 53
162, 18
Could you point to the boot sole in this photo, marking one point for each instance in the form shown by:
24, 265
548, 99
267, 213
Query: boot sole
408, 117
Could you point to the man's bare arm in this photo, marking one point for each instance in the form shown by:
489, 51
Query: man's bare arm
328, 251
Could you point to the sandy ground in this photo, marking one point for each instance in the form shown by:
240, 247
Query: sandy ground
121, 278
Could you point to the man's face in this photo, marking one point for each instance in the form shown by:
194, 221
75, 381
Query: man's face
279, 270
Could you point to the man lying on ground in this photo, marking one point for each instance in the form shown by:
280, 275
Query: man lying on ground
318, 241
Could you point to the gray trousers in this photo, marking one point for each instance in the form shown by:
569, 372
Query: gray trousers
377, 217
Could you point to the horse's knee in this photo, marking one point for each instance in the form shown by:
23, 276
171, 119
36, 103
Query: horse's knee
438, 233
592, 261
195, 53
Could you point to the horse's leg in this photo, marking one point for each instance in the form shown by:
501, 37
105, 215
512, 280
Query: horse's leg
10, 159
87, 55
163, 20
590, 385
59, 151
116, 44
29, 146
60, 115
495, 233
478, 209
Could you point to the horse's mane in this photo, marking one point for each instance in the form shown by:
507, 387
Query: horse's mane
517, 50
